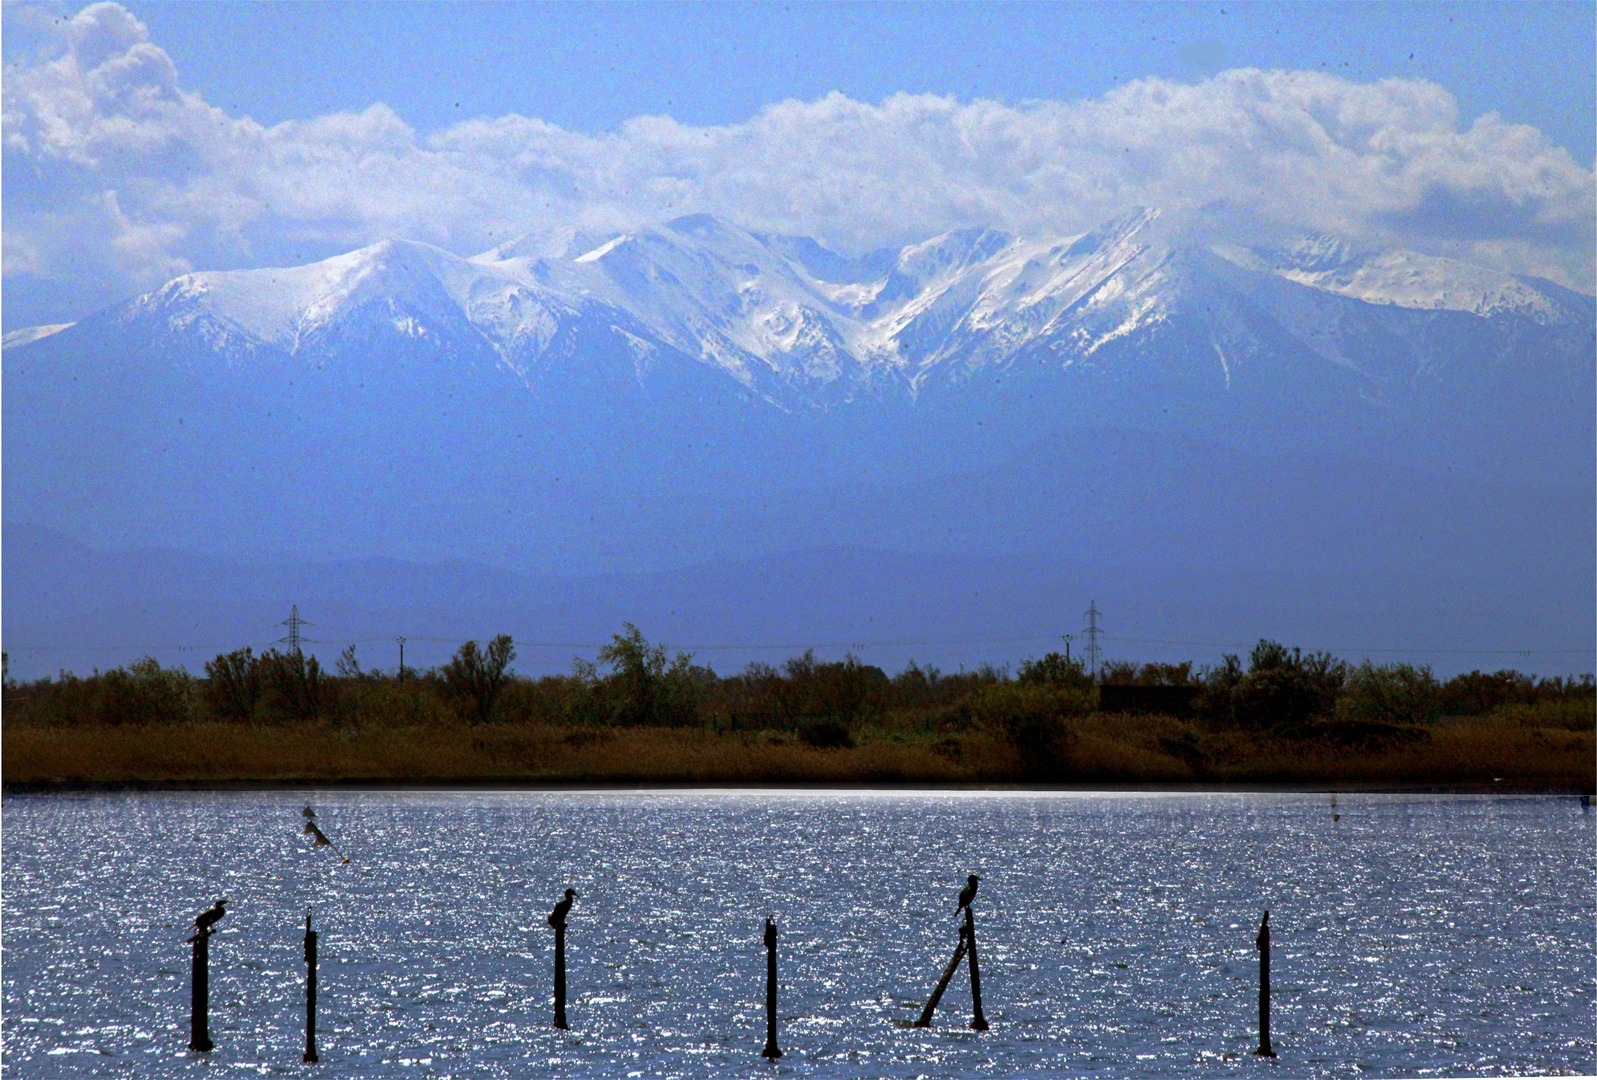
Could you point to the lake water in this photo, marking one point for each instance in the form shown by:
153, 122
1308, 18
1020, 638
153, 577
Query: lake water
1415, 936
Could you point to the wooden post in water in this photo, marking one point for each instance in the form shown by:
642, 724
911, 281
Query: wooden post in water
310, 991
557, 919
771, 1050
925, 1020
200, 994
560, 976
978, 1022
1262, 943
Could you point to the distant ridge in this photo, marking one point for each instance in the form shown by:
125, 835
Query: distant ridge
800, 326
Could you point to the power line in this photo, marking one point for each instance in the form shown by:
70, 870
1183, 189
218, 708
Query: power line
764, 647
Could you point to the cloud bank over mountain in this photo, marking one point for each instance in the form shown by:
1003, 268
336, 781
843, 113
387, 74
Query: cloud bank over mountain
119, 176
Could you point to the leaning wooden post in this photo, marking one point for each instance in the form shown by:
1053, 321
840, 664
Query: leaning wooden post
942, 984
978, 1022
560, 975
771, 1050
200, 994
310, 991
1262, 943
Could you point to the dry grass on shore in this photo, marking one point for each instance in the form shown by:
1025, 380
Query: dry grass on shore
1101, 749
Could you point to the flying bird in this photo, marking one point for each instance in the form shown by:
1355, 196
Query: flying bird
209, 918
321, 840
557, 917
967, 894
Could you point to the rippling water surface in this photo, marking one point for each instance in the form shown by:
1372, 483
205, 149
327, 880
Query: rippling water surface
1415, 936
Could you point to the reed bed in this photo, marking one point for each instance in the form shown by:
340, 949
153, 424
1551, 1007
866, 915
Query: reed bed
1099, 749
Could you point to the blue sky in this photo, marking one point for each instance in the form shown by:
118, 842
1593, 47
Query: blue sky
143, 140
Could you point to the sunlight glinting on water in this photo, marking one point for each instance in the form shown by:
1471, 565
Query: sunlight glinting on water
1417, 936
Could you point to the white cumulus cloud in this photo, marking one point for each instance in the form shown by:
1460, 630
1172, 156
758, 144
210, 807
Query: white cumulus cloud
114, 171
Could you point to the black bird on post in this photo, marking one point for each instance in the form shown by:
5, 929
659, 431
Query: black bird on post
209, 917
557, 919
1262, 943
967, 894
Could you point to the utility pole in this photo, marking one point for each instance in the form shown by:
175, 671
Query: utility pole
294, 640
1094, 653
401, 657
1068, 639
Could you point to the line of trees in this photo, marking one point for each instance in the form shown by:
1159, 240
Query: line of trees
634, 683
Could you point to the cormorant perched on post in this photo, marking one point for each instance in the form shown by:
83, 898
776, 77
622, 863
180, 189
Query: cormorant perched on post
209, 917
967, 894
557, 917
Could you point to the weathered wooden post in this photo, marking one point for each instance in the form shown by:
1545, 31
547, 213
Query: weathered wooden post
557, 919
200, 994
978, 1022
1262, 943
942, 984
771, 1050
310, 991
560, 976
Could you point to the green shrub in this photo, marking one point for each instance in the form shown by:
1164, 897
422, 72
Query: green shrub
1054, 669
233, 686
1283, 689
146, 693
1034, 718
293, 687
477, 675
1389, 693
643, 688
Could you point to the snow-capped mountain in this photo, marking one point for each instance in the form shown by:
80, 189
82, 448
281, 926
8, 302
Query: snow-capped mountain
799, 326
404, 399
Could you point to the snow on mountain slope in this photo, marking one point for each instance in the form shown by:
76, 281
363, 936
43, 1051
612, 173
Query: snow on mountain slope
29, 334
411, 290
1401, 278
716, 293
799, 325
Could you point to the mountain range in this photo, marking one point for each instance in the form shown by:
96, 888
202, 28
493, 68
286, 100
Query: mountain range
1143, 401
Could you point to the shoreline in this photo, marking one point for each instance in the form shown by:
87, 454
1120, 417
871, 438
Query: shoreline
490, 784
